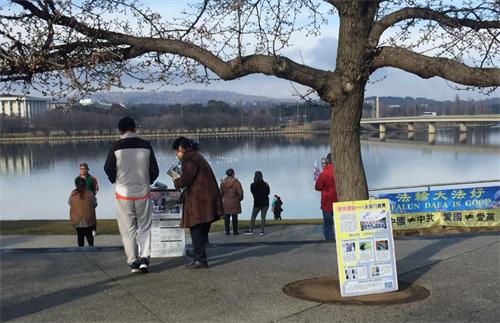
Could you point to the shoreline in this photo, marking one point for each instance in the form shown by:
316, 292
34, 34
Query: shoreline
110, 227
108, 135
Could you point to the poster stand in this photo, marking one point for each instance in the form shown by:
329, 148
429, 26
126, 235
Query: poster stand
167, 237
365, 247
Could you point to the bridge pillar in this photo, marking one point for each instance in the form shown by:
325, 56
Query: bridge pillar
411, 127
432, 139
462, 137
462, 126
381, 131
432, 128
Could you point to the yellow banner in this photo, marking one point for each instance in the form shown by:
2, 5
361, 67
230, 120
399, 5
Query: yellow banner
470, 218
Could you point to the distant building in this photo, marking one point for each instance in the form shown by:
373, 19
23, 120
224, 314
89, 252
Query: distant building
26, 107
96, 104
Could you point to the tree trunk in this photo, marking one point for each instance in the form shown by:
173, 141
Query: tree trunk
347, 101
345, 146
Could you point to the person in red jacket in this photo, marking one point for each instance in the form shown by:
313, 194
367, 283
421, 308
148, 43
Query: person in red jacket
326, 185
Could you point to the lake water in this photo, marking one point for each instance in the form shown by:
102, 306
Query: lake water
36, 179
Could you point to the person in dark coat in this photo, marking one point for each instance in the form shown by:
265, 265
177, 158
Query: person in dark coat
232, 195
260, 191
202, 199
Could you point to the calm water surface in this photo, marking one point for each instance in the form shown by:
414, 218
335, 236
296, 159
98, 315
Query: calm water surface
36, 179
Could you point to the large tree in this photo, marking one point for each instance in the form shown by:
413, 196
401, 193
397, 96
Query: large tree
91, 45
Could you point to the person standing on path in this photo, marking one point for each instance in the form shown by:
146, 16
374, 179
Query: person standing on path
276, 207
131, 165
202, 199
326, 185
90, 181
260, 191
82, 204
232, 195
90, 184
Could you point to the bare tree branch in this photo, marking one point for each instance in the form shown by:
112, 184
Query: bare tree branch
427, 67
427, 14
239, 67
198, 17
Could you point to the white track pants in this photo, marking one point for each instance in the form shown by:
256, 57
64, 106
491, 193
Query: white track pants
134, 223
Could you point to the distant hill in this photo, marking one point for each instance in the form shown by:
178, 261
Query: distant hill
187, 97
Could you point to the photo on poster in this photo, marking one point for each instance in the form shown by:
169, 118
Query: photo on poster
382, 249
159, 201
381, 270
348, 246
349, 250
372, 220
353, 273
365, 250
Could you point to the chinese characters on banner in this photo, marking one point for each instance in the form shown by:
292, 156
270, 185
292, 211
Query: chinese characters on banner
460, 207
365, 247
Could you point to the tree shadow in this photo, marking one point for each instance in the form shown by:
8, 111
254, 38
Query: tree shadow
12, 308
420, 261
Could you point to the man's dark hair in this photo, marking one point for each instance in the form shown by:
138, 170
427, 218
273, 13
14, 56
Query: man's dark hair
126, 124
329, 158
230, 172
185, 143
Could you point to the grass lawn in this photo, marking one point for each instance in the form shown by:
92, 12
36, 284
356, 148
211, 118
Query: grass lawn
107, 226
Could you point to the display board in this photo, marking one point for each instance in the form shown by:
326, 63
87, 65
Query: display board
365, 247
167, 238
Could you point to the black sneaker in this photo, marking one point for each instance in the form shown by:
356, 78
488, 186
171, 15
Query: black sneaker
249, 231
134, 267
144, 265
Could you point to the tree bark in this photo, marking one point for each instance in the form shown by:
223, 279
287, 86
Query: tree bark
353, 54
346, 148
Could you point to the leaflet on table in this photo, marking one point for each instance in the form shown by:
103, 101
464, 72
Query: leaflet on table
365, 247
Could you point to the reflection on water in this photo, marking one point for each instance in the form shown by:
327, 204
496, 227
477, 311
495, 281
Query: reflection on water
45, 172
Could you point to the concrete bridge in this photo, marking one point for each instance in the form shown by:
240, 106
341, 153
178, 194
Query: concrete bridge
462, 121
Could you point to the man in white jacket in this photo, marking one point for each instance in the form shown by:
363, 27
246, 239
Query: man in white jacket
131, 165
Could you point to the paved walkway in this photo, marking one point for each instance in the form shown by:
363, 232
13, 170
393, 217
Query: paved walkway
45, 278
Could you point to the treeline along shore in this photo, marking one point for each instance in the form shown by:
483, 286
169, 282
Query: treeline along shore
108, 134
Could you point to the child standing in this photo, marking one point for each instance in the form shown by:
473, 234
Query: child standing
277, 209
82, 204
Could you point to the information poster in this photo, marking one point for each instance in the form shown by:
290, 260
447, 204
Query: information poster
167, 238
365, 247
